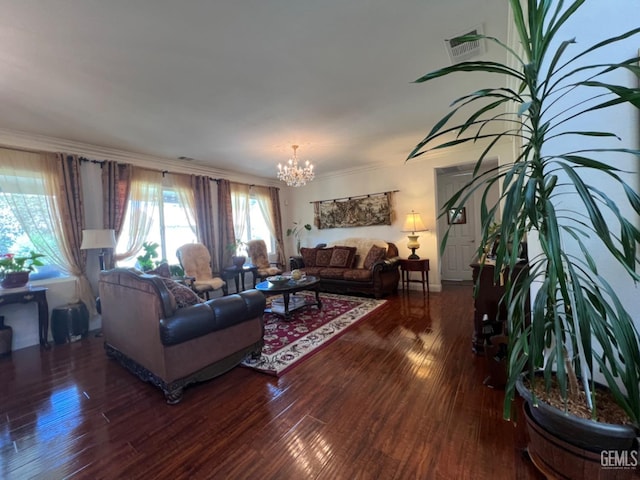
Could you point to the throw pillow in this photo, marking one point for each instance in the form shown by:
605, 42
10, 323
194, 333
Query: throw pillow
309, 256
323, 257
184, 296
375, 254
342, 257
161, 270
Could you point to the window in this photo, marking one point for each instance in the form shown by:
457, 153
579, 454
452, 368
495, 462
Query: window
174, 226
170, 228
13, 237
256, 225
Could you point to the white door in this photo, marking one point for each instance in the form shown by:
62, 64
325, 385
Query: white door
461, 243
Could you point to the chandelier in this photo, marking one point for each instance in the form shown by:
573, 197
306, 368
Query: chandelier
294, 175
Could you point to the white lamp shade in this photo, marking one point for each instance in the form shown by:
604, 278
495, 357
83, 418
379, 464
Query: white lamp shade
98, 239
413, 223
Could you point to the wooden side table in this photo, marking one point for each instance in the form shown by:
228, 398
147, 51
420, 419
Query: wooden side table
417, 265
238, 273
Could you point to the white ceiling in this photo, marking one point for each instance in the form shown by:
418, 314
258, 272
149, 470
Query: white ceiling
234, 83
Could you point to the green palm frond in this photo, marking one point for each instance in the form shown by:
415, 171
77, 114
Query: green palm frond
572, 308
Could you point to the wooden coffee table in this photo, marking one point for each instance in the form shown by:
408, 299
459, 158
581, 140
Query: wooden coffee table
293, 286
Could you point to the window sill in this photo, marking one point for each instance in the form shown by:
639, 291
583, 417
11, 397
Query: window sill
48, 281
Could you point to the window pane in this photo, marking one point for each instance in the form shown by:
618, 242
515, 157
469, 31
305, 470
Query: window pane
258, 225
177, 231
169, 229
13, 239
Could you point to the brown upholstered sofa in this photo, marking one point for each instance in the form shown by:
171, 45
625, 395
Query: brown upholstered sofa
165, 334
352, 265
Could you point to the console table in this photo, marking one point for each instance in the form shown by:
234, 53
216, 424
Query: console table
28, 295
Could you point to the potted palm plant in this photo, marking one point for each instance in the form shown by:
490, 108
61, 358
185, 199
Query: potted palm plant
296, 231
567, 326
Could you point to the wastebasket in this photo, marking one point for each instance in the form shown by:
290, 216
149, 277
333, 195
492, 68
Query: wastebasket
69, 322
6, 337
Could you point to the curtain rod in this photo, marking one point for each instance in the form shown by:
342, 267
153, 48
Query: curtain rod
102, 162
164, 172
355, 196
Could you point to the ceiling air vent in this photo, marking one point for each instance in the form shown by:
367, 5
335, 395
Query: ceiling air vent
462, 51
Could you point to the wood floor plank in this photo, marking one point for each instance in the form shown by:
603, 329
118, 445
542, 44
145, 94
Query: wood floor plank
397, 396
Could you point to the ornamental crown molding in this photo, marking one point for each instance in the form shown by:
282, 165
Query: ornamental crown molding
42, 143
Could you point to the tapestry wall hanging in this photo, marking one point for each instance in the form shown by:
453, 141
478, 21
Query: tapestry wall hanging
374, 209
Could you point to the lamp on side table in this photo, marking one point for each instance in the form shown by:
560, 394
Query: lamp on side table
413, 223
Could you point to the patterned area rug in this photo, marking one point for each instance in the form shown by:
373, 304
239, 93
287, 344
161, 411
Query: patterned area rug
286, 343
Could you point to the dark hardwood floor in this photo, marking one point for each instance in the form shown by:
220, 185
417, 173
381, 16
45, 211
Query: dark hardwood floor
398, 396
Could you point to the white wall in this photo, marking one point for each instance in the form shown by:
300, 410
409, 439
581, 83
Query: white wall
594, 22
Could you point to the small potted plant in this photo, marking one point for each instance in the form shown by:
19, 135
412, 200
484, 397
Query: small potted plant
296, 231
176, 271
235, 249
15, 270
145, 261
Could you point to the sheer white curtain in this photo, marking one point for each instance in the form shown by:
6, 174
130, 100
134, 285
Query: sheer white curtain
144, 198
181, 184
22, 183
30, 184
263, 198
240, 206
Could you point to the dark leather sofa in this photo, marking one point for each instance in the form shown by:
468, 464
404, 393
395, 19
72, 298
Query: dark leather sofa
170, 346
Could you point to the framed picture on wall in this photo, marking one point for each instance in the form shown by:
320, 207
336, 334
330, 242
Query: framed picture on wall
457, 216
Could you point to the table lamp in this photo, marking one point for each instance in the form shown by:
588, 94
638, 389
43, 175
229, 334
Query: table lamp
413, 223
102, 239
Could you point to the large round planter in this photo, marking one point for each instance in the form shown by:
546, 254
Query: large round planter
15, 279
584, 434
559, 459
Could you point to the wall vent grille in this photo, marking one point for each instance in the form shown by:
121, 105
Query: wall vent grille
463, 51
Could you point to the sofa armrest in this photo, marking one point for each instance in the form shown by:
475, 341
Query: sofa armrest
187, 323
393, 261
296, 262
255, 302
236, 308
386, 264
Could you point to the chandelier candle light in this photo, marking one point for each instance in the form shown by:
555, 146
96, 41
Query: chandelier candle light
413, 223
294, 175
